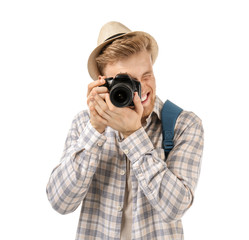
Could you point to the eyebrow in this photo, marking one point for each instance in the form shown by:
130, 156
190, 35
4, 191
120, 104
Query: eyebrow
147, 73
144, 74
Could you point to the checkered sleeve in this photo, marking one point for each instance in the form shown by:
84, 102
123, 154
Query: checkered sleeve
70, 180
169, 186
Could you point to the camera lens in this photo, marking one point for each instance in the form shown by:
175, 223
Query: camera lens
121, 95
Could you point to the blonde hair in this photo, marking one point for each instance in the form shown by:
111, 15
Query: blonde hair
122, 48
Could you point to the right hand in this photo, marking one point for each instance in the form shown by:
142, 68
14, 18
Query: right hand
96, 120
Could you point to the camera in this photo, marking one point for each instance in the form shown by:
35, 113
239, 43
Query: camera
122, 89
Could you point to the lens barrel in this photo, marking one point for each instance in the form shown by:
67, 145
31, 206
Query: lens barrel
121, 95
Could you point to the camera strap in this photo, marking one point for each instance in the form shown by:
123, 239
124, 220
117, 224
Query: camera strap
169, 115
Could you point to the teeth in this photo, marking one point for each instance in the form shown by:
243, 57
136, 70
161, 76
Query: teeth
144, 97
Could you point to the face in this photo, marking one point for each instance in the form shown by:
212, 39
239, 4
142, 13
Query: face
138, 66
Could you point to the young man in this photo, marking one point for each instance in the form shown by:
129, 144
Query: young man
113, 161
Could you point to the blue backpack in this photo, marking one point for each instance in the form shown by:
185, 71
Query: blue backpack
169, 115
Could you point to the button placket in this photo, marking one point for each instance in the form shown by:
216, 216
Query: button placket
119, 208
126, 151
122, 172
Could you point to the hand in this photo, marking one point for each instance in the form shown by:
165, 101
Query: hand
96, 120
124, 120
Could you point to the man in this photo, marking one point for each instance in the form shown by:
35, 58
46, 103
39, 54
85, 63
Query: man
113, 161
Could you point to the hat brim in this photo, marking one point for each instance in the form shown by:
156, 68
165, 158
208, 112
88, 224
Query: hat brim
92, 64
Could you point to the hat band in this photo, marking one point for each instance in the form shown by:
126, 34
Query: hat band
113, 36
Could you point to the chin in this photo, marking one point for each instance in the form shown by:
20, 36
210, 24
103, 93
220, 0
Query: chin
146, 113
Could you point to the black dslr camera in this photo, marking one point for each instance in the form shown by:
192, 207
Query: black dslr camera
122, 89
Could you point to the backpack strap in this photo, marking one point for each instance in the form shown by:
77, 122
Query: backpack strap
169, 115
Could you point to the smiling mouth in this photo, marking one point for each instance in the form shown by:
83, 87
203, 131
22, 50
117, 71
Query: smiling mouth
144, 98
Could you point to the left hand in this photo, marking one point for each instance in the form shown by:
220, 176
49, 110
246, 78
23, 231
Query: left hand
125, 120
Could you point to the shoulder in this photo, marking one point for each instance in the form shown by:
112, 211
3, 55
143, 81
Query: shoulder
187, 119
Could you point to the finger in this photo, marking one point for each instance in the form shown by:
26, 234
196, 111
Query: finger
111, 107
94, 84
95, 114
102, 104
99, 90
91, 105
90, 99
102, 95
102, 113
138, 105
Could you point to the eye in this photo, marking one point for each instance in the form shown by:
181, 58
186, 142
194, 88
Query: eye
147, 76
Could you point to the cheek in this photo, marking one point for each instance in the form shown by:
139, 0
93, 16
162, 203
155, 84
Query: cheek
147, 85
152, 86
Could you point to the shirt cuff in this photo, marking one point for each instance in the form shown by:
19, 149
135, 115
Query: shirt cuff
91, 140
136, 145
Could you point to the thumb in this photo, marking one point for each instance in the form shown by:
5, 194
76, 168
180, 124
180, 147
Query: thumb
138, 105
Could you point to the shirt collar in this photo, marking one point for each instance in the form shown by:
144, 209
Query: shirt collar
158, 105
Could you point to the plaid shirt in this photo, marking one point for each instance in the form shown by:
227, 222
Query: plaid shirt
92, 172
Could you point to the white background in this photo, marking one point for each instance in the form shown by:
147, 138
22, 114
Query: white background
202, 66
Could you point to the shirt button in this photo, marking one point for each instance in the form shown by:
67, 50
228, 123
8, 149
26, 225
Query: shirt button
120, 208
126, 151
99, 144
139, 171
122, 172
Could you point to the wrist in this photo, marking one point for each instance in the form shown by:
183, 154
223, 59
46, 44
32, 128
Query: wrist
98, 128
128, 133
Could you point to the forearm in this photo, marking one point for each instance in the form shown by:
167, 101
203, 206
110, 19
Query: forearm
168, 187
70, 180
165, 192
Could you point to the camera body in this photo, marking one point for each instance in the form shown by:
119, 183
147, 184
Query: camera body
122, 89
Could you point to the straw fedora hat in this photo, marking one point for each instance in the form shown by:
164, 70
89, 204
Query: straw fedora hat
109, 32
